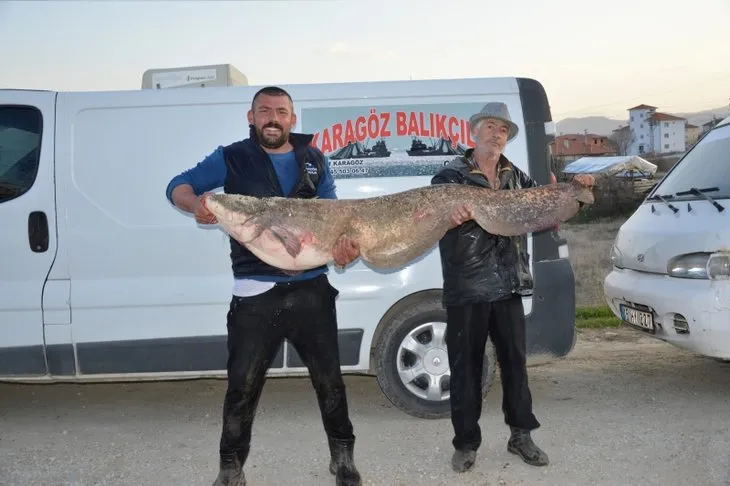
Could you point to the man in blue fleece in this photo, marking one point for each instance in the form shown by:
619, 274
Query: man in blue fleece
269, 305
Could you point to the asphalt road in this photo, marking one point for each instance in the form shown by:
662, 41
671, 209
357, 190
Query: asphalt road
618, 411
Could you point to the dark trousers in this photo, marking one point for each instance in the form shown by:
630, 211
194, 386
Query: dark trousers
467, 330
304, 313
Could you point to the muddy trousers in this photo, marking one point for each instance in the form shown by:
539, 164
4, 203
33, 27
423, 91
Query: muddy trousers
304, 313
467, 330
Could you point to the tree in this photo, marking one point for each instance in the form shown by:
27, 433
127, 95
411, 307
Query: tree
622, 137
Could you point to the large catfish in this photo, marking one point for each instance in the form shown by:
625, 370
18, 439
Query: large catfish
392, 230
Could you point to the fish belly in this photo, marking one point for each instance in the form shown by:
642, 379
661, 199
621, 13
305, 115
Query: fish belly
269, 246
276, 255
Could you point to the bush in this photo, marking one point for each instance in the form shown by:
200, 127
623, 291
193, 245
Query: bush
664, 164
616, 197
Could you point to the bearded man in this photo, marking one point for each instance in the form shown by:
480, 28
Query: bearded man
269, 305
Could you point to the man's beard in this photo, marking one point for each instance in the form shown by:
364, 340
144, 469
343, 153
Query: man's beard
272, 143
490, 150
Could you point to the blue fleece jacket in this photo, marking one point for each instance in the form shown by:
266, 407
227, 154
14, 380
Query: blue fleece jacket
210, 173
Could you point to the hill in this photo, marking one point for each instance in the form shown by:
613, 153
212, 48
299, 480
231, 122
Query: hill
700, 117
601, 125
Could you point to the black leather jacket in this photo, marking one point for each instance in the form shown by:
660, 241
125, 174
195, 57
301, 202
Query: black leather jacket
478, 266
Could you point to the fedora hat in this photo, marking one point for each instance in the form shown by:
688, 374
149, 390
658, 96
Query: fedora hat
500, 112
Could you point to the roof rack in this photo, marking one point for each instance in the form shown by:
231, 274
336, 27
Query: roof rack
205, 76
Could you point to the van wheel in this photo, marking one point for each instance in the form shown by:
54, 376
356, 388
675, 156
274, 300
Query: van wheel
411, 361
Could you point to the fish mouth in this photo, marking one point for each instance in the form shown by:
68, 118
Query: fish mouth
212, 204
206, 200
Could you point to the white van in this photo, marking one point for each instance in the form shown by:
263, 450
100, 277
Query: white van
101, 278
671, 258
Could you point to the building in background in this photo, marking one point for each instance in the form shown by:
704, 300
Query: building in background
691, 134
572, 146
710, 124
655, 132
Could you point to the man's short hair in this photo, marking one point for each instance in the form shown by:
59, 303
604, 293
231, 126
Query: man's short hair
271, 91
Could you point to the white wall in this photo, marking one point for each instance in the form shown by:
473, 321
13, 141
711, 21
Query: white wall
638, 122
669, 136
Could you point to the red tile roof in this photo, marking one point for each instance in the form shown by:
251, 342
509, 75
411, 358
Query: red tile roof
643, 107
664, 117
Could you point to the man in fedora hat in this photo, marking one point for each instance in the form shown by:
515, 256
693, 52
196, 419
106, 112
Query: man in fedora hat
485, 277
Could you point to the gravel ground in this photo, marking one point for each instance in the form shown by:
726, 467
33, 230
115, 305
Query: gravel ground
622, 409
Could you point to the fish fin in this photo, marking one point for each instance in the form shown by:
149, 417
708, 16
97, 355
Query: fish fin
290, 240
260, 223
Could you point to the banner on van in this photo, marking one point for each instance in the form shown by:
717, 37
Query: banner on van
390, 140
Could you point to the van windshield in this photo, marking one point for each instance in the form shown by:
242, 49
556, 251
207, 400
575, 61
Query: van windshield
706, 167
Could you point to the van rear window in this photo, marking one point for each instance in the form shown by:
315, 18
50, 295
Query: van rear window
20, 142
706, 167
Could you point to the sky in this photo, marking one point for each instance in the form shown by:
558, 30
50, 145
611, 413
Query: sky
593, 57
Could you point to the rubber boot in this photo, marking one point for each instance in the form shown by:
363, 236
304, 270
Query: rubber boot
231, 470
342, 462
463, 460
521, 444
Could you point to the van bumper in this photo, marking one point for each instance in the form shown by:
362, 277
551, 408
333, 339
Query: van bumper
691, 314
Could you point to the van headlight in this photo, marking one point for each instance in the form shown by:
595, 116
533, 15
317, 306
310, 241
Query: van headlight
616, 257
712, 266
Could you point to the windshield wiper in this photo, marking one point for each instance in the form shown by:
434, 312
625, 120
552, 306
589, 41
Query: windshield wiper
701, 193
663, 199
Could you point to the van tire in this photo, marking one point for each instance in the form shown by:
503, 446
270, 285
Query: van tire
397, 327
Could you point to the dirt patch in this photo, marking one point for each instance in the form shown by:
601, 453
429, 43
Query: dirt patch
623, 349
622, 408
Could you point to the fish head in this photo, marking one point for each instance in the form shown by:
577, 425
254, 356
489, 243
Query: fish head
581, 192
218, 204
232, 211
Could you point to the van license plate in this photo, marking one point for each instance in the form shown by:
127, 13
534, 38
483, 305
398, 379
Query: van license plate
638, 318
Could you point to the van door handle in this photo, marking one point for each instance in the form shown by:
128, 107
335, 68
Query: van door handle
38, 231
